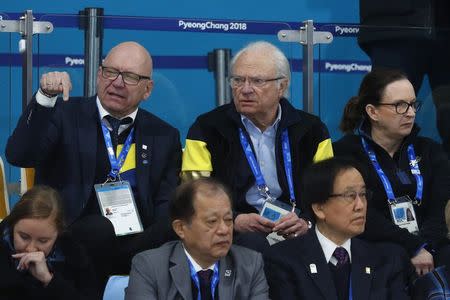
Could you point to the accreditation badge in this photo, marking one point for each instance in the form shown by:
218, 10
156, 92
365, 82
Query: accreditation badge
116, 202
403, 214
274, 210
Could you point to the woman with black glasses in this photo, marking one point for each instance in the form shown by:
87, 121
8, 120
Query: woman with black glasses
409, 174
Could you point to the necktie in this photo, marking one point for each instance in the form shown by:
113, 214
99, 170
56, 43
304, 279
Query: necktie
341, 256
205, 283
115, 124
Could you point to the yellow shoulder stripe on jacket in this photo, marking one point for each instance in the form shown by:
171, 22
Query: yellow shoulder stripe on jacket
324, 151
196, 157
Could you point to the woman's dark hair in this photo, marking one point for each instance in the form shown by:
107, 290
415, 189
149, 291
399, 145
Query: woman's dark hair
39, 202
371, 91
319, 178
182, 205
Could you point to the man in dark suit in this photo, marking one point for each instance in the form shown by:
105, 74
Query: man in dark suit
204, 264
328, 262
66, 143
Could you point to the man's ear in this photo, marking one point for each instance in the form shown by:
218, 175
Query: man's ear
282, 87
148, 89
318, 211
178, 227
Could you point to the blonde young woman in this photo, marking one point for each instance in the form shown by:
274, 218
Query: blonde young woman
38, 259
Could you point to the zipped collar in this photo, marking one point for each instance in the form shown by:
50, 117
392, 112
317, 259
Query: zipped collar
364, 128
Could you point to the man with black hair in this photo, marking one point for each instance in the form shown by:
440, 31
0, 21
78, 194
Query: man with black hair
204, 264
328, 262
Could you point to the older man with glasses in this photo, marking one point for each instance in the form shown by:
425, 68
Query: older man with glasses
259, 146
100, 153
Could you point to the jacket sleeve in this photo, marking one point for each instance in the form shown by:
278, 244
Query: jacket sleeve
259, 290
196, 156
401, 270
324, 149
170, 177
75, 279
142, 284
35, 135
433, 227
60, 288
281, 284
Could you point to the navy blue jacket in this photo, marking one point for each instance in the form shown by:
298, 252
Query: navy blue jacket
435, 170
297, 269
61, 144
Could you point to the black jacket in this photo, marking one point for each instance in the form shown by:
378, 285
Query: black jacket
73, 277
435, 169
383, 20
218, 131
433, 285
61, 144
297, 269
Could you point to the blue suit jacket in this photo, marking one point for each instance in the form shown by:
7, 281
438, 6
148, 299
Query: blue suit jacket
61, 144
376, 271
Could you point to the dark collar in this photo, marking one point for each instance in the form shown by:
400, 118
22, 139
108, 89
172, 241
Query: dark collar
364, 130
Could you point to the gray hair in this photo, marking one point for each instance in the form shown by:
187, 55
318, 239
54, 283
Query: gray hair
276, 55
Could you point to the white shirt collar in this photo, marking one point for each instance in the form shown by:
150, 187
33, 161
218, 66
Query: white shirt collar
245, 120
104, 113
196, 266
329, 246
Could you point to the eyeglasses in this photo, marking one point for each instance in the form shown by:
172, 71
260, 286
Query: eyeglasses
127, 77
239, 81
402, 107
350, 197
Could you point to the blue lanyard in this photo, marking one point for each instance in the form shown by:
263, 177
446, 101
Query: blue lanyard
214, 280
116, 163
415, 171
288, 164
414, 167
350, 288
254, 166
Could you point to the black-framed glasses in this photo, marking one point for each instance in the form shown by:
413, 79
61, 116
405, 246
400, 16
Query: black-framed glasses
350, 196
401, 107
239, 81
129, 78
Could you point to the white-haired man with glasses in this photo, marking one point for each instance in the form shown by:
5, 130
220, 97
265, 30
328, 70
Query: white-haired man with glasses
259, 146
90, 149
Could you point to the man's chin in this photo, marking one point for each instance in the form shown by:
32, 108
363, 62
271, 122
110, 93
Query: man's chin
222, 249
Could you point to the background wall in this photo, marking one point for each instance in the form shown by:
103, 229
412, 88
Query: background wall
183, 86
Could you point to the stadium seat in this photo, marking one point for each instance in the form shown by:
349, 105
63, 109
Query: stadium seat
26, 179
115, 288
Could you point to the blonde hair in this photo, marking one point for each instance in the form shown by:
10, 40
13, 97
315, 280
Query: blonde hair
39, 202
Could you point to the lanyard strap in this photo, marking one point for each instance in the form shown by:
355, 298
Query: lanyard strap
414, 167
116, 163
196, 280
415, 171
254, 166
350, 288
288, 164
